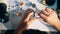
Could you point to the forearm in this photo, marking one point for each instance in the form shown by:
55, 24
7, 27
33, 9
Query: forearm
20, 28
57, 26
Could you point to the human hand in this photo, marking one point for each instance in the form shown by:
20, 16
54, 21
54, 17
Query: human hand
49, 16
25, 22
27, 16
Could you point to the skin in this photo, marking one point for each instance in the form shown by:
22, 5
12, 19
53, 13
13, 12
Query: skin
25, 22
48, 15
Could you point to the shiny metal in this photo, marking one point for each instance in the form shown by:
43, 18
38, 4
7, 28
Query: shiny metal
18, 14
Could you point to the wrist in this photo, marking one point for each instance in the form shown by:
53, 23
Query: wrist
57, 25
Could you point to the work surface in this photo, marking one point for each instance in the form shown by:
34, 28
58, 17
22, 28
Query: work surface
14, 20
35, 25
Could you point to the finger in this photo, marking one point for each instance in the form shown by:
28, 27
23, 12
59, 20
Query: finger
43, 16
31, 20
30, 10
51, 10
48, 10
28, 15
45, 13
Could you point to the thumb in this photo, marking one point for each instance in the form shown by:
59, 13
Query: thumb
28, 15
31, 20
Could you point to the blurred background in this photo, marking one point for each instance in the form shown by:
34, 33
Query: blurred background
12, 14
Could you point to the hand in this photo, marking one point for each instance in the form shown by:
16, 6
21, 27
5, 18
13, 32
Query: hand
26, 21
27, 16
49, 16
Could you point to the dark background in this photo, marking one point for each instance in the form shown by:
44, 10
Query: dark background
58, 4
